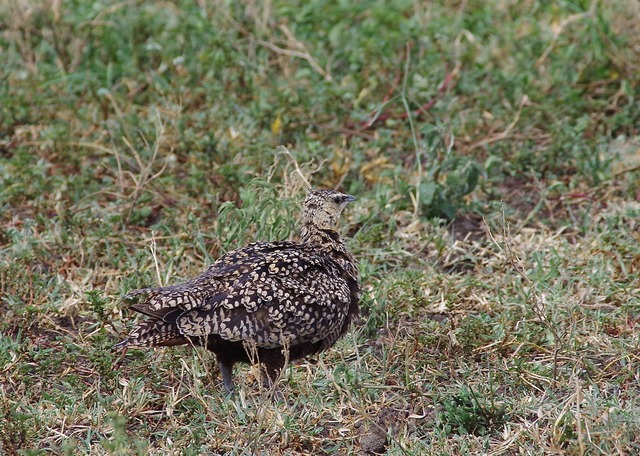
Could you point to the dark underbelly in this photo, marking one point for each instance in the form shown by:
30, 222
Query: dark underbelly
239, 352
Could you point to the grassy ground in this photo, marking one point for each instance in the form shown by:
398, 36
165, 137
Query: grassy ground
494, 149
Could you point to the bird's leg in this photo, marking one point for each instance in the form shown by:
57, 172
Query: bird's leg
226, 370
271, 374
273, 361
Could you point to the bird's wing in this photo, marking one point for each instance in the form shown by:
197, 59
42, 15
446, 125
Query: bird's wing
286, 294
195, 292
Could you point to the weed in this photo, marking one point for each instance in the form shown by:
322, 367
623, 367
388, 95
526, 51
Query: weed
464, 413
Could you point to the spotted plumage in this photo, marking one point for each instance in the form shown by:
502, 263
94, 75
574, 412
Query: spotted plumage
285, 300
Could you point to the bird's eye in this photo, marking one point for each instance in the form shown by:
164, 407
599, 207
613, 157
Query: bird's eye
337, 199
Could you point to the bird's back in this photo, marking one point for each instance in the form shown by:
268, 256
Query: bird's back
270, 293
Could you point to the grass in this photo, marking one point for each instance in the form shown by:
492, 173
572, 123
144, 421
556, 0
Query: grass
495, 153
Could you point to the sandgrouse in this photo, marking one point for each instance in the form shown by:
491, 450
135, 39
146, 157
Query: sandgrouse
277, 300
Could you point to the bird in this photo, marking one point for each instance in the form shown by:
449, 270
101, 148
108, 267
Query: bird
265, 303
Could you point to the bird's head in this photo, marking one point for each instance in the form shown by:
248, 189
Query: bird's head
322, 208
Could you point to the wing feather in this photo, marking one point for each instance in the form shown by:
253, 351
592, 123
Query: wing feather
289, 294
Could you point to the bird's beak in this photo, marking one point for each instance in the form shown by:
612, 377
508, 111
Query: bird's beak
350, 199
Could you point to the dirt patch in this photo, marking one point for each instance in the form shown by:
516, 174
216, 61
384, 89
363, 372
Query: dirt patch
383, 427
468, 227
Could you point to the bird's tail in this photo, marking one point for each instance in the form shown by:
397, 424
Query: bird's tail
162, 306
153, 333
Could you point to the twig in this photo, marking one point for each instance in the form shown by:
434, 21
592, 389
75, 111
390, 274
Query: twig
536, 301
304, 54
291, 160
578, 396
446, 85
414, 135
152, 247
505, 134
145, 175
560, 28
398, 77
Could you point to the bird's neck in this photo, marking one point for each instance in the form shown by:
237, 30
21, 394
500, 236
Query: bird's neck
330, 242
322, 237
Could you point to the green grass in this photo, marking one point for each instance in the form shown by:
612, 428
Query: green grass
497, 230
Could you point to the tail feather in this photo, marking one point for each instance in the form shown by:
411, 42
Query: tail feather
153, 333
163, 306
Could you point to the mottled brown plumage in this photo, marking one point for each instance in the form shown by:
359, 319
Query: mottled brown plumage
300, 296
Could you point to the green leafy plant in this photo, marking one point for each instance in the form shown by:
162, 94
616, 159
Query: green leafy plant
466, 413
448, 178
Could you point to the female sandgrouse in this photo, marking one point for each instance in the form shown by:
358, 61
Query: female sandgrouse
277, 300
